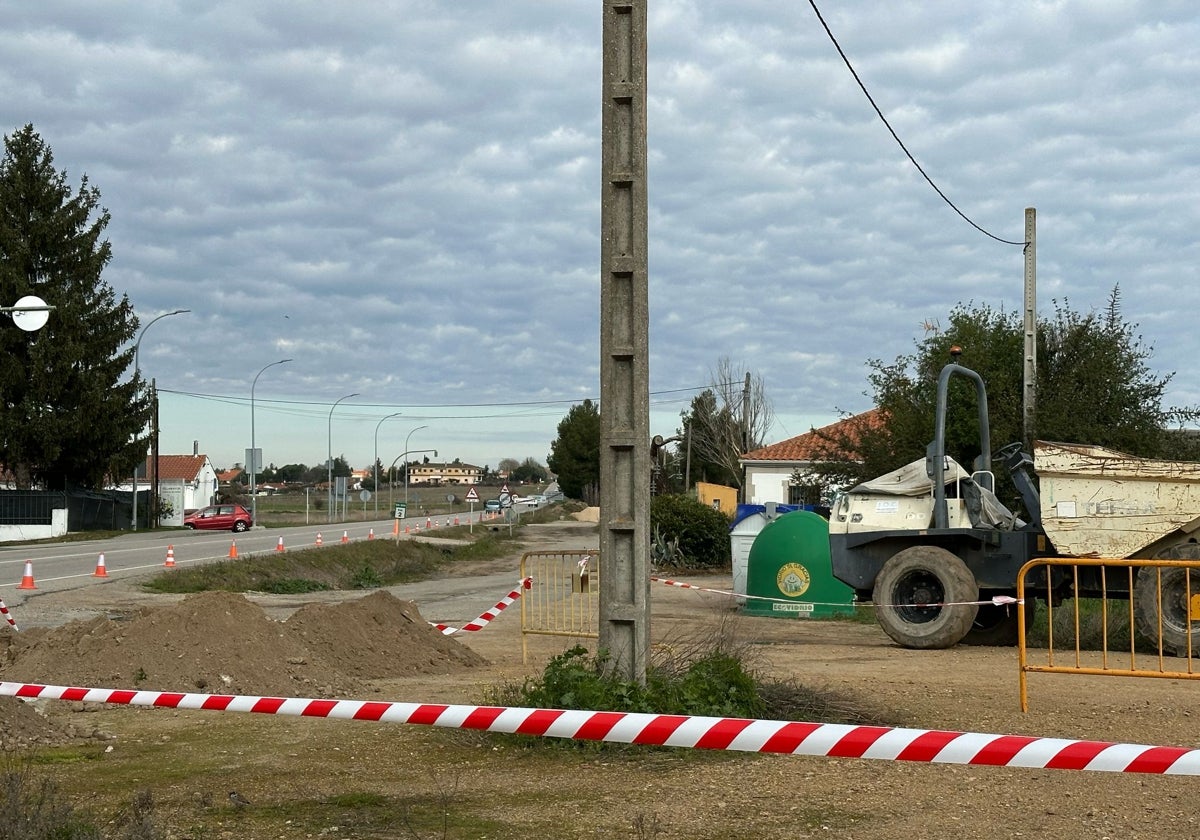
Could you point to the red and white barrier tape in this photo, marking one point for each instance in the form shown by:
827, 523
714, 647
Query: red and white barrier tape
708, 733
997, 601
486, 618
4, 612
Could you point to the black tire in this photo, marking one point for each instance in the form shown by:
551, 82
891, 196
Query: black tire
997, 625
240, 526
911, 592
1173, 604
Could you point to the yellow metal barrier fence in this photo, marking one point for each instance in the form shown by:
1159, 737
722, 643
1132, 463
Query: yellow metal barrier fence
564, 599
1182, 597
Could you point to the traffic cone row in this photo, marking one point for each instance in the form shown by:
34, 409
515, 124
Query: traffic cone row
27, 581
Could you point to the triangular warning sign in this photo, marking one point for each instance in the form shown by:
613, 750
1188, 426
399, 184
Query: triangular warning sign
472, 496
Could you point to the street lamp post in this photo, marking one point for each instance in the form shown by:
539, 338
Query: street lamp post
253, 450
405, 454
406, 437
375, 463
329, 463
136, 377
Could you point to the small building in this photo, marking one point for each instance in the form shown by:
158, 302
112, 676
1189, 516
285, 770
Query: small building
185, 482
718, 497
769, 470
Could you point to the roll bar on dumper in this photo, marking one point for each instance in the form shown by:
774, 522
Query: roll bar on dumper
932, 557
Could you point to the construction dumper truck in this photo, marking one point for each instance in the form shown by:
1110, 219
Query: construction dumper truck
936, 552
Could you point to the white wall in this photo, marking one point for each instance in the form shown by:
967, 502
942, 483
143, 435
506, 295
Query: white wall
56, 528
768, 484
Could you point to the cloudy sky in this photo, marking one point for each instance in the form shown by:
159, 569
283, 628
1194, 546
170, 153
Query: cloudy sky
403, 197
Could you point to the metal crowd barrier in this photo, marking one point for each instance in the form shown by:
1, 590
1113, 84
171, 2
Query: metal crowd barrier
564, 599
1160, 661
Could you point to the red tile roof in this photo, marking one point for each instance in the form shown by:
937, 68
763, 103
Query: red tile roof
178, 467
809, 446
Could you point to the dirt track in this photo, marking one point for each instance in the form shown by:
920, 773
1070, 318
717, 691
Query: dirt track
971, 689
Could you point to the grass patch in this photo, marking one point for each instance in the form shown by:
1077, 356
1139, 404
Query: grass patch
366, 564
1094, 632
712, 676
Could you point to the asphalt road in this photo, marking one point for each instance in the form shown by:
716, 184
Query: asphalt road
60, 566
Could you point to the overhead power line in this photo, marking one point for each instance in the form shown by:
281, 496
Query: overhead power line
896, 137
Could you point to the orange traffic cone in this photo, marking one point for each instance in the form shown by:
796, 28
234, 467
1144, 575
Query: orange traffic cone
406, 529
456, 521
395, 527
170, 564
371, 534
233, 550
319, 541
345, 537
27, 578
101, 570
279, 545
428, 524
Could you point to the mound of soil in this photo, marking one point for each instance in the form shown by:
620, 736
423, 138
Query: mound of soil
219, 642
22, 725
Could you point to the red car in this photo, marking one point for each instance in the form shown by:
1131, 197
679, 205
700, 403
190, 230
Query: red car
219, 518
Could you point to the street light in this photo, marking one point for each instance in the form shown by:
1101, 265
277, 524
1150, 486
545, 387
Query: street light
406, 463
253, 450
136, 377
330, 461
405, 454
137, 344
406, 437
375, 463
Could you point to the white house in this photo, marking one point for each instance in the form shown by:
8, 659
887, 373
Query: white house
769, 470
185, 482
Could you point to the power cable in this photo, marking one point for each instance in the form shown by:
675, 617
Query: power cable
896, 137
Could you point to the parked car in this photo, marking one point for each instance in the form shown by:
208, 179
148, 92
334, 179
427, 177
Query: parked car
228, 517
492, 505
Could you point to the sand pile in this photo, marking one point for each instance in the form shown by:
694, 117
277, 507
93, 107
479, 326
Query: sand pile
218, 642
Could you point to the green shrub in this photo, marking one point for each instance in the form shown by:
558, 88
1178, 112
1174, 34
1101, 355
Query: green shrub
701, 533
714, 684
705, 677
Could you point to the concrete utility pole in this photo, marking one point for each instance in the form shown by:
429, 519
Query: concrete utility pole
624, 345
1030, 391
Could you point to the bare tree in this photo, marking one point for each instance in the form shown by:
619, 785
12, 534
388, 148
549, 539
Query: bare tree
730, 418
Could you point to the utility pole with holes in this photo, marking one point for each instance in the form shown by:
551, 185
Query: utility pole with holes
624, 345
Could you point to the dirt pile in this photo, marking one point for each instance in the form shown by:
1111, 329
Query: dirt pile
218, 642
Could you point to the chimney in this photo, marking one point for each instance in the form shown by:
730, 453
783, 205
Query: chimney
195, 447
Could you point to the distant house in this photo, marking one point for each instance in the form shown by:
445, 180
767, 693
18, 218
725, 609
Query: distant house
769, 470
185, 482
437, 474
227, 477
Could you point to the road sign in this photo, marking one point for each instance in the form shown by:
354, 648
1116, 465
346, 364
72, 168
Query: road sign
472, 496
504, 488
401, 510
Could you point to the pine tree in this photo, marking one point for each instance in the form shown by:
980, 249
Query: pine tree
575, 453
66, 419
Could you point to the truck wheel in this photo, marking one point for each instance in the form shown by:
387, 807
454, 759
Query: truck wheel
1172, 605
996, 625
912, 592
